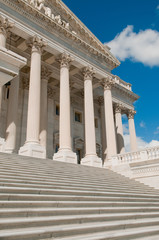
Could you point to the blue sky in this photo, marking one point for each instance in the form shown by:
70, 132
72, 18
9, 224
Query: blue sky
131, 29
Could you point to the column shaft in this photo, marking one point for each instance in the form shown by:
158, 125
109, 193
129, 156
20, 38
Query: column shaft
33, 120
43, 115
109, 119
133, 141
90, 139
65, 153
119, 130
91, 157
32, 145
65, 128
12, 116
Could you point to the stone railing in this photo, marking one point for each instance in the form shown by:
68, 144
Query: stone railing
138, 156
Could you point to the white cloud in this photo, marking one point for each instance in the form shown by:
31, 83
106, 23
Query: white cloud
156, 131
157, 7
140, 142
142, 124
139, 47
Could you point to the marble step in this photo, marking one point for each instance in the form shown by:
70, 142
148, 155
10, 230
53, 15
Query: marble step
53, 192
48, 211
124, 229
34, 184
60, 180
70, 204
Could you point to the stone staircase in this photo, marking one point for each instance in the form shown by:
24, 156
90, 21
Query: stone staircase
44, 199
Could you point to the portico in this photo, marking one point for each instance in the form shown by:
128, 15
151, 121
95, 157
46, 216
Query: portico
59, 65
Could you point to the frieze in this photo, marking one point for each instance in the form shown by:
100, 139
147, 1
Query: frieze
52, 23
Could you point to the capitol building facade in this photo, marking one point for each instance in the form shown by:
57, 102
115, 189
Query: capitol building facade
58, 97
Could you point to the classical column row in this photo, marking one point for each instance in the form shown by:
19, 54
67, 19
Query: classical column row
36, 132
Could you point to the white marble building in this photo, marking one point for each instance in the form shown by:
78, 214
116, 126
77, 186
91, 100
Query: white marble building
65, 104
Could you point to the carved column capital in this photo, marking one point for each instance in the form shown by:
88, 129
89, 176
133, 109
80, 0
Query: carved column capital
5, 25
37, 44
25, 82
45, 73
118, 108
65, 60
101, 100
88, 73
50, 92
131, 113
107, 83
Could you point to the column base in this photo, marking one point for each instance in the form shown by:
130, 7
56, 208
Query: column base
65, 156
32, 150
92, 160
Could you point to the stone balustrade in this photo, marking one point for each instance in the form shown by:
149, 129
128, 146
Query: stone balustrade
137, 156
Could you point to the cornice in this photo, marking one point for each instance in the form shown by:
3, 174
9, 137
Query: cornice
25, 8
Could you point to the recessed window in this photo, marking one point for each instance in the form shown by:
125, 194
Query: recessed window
78, 117
96, 122
57, 110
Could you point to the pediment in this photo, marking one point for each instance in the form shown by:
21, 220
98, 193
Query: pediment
60, 15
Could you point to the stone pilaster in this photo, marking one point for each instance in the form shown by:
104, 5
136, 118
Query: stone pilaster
91, 157
107, 84
65, 153
32, 146
119, 128
133, 141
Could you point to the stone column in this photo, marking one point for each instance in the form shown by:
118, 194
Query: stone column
103, 129
12, 116
119, 129
44, 108
65, 153
32, 146
107, 83
5, 27
133, 141
91, 157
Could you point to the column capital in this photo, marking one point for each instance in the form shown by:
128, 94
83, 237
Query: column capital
25, 82
45, 73
101, 100
88, 73
36, 43
131, 114
65, 60
5, 25
107, 83
50, 92
118, 108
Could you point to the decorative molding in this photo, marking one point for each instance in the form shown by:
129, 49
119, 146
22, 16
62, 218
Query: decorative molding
107, 83
65, 60
131, 114
118, 108
88, 73
25, 83
36, 43
101, 100
50, 92
5, 25
31, 11
45, 73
